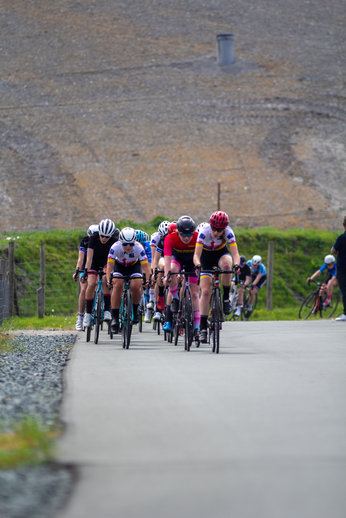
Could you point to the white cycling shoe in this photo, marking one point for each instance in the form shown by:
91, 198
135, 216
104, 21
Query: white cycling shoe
157, 315
107, 316
87, 319
79, 325
237, 312
147, 318
341, 318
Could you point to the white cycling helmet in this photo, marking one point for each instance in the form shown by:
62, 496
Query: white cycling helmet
128, 236
201, 225
329, 259
163, 228
257, 259
92, 229
106, 227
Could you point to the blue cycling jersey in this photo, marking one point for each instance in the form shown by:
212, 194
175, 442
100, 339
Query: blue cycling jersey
147, 249
331, 271
260, 268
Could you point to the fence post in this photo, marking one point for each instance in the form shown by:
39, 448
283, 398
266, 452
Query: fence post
41, 290
270, 268
3, 269
219, 195
11, 276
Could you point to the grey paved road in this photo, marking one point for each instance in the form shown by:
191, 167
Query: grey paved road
256, 431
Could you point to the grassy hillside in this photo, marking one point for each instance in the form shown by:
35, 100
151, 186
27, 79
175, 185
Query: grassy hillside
297, 254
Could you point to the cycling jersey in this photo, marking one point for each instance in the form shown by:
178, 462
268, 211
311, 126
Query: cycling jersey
244, 272
331, 271
260, 268
83, 246
160, 245
117, 253
154, 239
174, 245
100, 250
208, 242
147, 248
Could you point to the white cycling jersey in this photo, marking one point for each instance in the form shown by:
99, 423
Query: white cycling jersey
211, 243
154, 239
117, 253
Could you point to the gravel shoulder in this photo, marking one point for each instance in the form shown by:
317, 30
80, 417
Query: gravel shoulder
31, 384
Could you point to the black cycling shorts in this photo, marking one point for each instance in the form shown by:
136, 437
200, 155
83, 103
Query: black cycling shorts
211, 258
135, 270
261, 282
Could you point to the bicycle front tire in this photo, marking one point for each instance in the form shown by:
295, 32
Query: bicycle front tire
98, 316
216, 314
329, 310
307, 306
188, 319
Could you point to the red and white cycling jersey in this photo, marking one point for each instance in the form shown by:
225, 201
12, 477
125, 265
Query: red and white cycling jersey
210, 243
117, 253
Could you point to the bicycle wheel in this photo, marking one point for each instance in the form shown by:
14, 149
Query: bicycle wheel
307, 306
328, 311
188, 319
176, 330
88, 333
140, 316
98, 316
216, 305
123, 319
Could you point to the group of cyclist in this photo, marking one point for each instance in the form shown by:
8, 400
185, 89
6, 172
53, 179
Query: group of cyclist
175, 246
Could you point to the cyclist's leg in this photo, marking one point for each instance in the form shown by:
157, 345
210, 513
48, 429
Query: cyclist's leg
106, 297
225, 263
81, 302
173, 285
117, 292
160, 301
136, 287
89, 296
204, 305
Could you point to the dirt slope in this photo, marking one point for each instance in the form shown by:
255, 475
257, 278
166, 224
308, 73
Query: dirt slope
119, 109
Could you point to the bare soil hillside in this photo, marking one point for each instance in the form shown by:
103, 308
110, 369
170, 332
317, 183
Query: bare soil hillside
119, 109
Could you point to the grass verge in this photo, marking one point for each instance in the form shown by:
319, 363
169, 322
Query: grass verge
29, 443
49, 322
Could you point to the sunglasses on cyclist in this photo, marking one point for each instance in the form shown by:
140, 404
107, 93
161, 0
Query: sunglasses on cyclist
105, 237
217, 229
186, 235
128, 244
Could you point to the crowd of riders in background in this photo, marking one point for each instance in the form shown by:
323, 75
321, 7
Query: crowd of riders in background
175, 246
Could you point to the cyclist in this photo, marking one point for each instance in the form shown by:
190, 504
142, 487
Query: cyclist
79, 274
179, 249
97, 253
143, 238
259, 278
158, 262
329, 267
244, 278
126, 257
211, 251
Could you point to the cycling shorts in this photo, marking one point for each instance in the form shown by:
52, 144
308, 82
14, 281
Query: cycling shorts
186, 263
211, 258
261, 282
95, 266
135, 270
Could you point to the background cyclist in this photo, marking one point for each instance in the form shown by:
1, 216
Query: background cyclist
158, 262
79, 274
328, 267
211, 251
244, 278
259, 278
97, 254
143, 238
126, 257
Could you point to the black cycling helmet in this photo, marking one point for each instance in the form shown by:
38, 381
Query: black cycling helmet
186, 225
242, 259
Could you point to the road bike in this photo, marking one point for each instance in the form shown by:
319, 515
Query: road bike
314, 304
183, 319
234, 296
215, 317
97, 312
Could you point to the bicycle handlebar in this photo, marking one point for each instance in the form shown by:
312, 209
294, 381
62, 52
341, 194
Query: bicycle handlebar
214, 271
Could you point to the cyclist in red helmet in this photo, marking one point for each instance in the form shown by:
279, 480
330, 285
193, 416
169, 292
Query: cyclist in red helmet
211, 250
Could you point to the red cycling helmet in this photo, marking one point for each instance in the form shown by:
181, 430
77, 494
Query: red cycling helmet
219, 220
172, 227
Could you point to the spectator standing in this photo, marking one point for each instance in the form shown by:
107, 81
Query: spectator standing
339, 248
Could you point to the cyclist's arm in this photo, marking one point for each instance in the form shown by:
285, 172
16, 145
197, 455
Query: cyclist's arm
247, 281
146, 270
314, 275
168, 259
235, 254
157, 257
110, 267
197, 255
90, 256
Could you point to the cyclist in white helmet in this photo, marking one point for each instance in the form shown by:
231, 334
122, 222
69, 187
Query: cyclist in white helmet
329, 268
79, 275
97, 254
126, 257
158, 262
259, 278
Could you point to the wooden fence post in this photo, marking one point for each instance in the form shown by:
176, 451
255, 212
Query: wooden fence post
219, 195
270, 268
11, 276
41, 290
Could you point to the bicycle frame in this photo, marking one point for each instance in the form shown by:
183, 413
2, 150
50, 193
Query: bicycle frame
126, 313
184, 316
97, 312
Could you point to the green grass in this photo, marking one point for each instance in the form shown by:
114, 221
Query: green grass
29, 443
50, 322
6, 343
